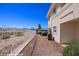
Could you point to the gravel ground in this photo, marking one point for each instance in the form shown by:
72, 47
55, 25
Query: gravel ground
44, 47
40, 46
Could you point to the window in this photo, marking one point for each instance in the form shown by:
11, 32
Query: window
54, 29
55, 11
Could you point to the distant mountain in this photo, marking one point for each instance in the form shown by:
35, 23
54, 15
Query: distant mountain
44, 28
13, 29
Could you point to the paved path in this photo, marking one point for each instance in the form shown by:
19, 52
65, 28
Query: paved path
44, 47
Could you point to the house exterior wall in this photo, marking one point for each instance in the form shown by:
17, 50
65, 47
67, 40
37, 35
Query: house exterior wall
56, 34
67, 13
48, 23
68, 32
77, 31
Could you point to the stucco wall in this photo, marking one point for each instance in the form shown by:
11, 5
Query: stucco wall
56, 35
70, 13
49, 23
77, 31
67, 32
76, 10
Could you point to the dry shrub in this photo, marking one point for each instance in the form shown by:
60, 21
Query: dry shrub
19, 34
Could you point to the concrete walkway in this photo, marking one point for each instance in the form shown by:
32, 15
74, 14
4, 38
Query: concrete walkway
44, 47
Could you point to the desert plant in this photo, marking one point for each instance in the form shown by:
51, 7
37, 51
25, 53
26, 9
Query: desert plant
19, 34
10, 33
39, 32
44, 33
5, 33
0, 33
71, 50
5, 37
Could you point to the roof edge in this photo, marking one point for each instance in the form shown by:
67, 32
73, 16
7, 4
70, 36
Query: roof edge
51, 9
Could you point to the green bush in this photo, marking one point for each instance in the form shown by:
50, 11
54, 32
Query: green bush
44, 33
71, 50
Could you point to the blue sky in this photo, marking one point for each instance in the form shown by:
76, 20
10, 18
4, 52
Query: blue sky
24, 15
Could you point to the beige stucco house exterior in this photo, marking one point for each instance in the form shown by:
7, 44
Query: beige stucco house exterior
63, 20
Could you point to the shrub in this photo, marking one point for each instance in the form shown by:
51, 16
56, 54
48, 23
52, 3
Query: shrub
10, 33
19, 34
71, 50
5, 33
5, 37
39, 32
44, 33
0, 33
